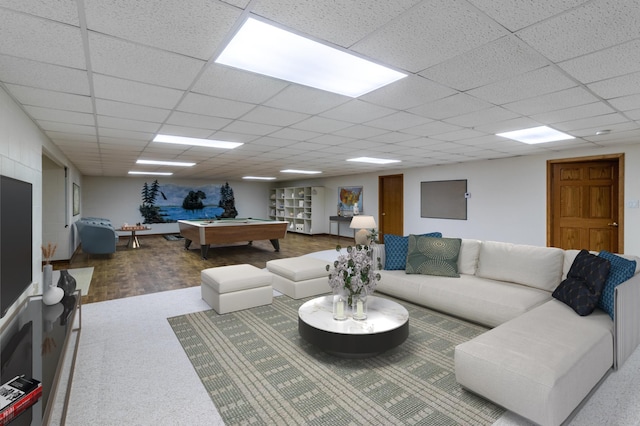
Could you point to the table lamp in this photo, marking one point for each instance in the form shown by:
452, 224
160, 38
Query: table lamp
364, 223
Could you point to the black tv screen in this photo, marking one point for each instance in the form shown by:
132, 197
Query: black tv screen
16, 240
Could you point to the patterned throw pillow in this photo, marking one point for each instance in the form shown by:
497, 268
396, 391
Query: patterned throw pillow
433, 256
395, 250
584, 283
621, 270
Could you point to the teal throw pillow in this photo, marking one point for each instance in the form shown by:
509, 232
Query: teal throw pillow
621, 270
395, 250
433, 256
584, 283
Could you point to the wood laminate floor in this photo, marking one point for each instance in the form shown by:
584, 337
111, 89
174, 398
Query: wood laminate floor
159, 264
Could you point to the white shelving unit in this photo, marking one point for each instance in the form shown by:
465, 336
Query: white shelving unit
301, 206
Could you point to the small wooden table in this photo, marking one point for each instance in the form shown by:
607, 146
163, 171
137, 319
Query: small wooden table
133, 238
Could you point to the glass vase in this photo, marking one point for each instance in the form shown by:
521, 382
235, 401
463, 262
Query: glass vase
359, 307
339, 307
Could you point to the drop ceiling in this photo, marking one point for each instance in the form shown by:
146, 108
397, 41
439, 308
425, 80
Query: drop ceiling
102, 77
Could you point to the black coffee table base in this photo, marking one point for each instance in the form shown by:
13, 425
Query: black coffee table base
354, 345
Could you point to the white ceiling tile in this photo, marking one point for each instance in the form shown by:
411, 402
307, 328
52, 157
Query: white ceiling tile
306, 99
357, 111
117, 89
193, 28
332, 140
321, 124
45, 76
217, 107
134, 112
294, 134
585, 123
62, 11
498, 60
392, 137
573, 113
593, 26
50, 99
196, 120
408, 92
626, 103
359, 131
249, 128
224, 135
124, 134
274, 116
552, 101
612, 62
616, 87
341, 23
507, 125
118, 58
53, 126
230, 83
589, 132
62, 116
399, 121
125, 124
71, 137
442, 28
450, 106
517, 14
481, 117
533, 83
431, 129
189, 132
40, 39
459, 135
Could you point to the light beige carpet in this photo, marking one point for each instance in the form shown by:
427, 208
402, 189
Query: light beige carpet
82, 276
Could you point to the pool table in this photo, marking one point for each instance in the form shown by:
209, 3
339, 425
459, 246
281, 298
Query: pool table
222, 231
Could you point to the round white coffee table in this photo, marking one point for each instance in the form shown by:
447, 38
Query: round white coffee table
386, 326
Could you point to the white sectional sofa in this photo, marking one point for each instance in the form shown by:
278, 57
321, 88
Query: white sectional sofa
540, 359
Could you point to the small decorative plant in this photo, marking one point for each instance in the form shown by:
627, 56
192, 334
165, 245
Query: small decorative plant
354, 272
48, 251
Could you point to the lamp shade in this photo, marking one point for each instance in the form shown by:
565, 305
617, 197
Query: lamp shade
360, 222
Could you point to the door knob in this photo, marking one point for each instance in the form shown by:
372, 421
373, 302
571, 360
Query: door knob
383, 214
614, 224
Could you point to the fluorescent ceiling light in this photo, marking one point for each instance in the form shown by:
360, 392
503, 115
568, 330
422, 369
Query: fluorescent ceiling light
165, 163
373, 160
151, 173
304, 172
258, 178
181, 140
264, 49
535, 135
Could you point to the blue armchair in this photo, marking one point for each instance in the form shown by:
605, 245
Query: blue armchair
97, 235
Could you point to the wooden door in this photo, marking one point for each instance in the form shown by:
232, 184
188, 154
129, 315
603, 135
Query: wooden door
585, 204
390, 205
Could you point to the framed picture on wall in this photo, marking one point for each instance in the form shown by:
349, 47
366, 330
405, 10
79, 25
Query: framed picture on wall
350, 200
76, 199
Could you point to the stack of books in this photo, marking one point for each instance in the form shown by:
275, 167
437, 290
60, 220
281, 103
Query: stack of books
16, 396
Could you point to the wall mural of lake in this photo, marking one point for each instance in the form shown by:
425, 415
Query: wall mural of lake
166, 203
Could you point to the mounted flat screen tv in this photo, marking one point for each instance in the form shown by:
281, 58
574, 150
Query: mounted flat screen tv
16, 240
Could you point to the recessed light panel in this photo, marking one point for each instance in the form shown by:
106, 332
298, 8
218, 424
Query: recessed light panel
303, 172
151, 173
373, 160
264, 49
165, 163
210, 143
258, 178
536, 135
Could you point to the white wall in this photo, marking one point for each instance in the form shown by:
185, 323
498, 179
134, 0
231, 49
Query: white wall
119, 199
508, 196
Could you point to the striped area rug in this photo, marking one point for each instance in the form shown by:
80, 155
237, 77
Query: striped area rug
258, 370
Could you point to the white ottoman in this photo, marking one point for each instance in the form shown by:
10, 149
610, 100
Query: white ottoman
236, 287
299, 277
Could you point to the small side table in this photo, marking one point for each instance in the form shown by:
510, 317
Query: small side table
133, 238
339, 220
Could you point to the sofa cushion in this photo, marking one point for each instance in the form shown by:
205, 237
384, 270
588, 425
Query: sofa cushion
468, 258
584, 283
299, 268
433, 256
395, 249
539, 267
621, 270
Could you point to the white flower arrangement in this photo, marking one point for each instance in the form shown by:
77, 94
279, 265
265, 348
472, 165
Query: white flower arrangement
354, 272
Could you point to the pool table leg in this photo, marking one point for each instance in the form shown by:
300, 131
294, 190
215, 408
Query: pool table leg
276, 244
204, 250
187, 243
